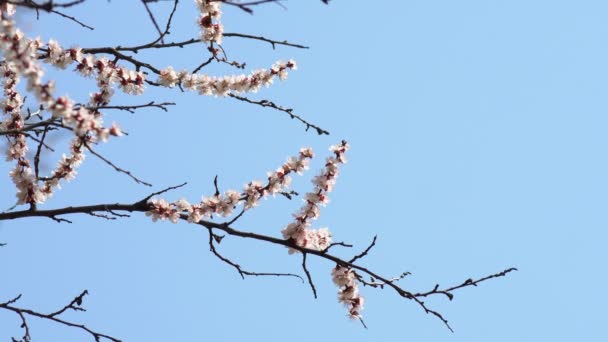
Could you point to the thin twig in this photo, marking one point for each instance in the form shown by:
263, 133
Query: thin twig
289, 111
312, 285
264, 39
38, 150
364, 253
151, 15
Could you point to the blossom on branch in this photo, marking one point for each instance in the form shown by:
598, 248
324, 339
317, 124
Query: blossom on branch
24, 59
224, 204
22, 174
211, 29
20, 56
66, 168
348, 294
106, 72
299, 231
224, 85
7, 9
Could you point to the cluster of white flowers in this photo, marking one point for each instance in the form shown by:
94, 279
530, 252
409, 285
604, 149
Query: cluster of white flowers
348, 293
106, 72
11, 107
7, 9
224, 204
210, 11
299, 231
66, 169
21, 174
222, 86
163, 210
83, 121
20, 59
21, 53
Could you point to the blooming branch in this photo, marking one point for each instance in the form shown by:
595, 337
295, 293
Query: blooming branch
211, 28
24, 59
222, 86
224, 204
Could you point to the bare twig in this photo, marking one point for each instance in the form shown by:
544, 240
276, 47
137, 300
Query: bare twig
153, 19
364, 253
133, 108
121, 170
38, 150
312, 285
213, 237
264, 39
75, 305
246, 6
289, 111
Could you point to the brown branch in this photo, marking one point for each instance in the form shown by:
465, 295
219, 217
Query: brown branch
333, 244
143, 206
167, 25
153, 19
312, 285
245, 6
213, 237
121, 170
155, 45
50, 6
469, 282
364, 253
32, 127
74, 305
289, 111
270, 41
202, 65
38, 150
72, 19
45, 6
133, 108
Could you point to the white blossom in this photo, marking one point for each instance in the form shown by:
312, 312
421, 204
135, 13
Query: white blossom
224, 85
348, 294
211, 29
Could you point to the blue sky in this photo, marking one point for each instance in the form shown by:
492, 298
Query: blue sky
478, 143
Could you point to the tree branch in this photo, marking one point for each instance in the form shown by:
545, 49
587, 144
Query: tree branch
74, 305
143, 206
289, 111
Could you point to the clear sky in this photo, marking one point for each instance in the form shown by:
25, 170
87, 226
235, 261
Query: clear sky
478, 143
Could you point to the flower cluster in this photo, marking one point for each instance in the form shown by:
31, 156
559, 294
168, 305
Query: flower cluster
210, 31
7, 9
11, 107
66, 169
348, 293
21, 175
224, 204
299, 231
20, 56
163, 210
222, 86
106, 72
83, 121
277, 180
21, 53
